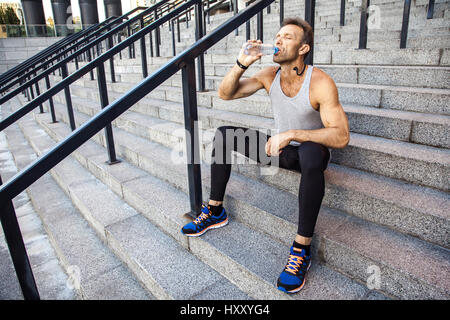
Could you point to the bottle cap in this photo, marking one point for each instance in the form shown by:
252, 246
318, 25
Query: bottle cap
276, 50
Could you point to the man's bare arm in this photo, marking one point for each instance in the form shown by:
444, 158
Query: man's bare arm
336, 133
232, 87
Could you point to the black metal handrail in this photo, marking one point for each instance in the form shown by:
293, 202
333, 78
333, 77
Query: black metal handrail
42, 56
44, 53
45, 63
64, 59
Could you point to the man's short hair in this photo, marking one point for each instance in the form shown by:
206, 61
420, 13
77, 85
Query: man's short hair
308, 34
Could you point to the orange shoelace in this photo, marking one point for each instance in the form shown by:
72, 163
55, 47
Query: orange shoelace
294, 263
201, 217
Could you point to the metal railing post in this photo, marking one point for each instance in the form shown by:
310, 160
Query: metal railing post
98, 49
363, 25
143, 53
30, 89
151, 44
208, 14
342, 20
259, 26
91, 73
76, 59
236, 9
19, 256
119, 40
68, 99
281, 11
192, 141
430, 9
24, 92
174, 53
247, 26
178, 30
50, 101
405, 23
38, 92
198, 36
103, 92
129, 47
157, 39
111, 61
310, 9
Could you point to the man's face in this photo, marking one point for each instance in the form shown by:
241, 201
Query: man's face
288, 41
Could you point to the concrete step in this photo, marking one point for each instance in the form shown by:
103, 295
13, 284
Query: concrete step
435, 42
243, 208
130, 70
80, 252
171, 135
253, 272
166, 269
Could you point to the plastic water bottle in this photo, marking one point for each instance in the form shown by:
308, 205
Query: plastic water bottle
253, 49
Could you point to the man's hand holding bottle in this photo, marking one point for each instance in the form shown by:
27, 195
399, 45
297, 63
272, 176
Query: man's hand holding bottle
248, 59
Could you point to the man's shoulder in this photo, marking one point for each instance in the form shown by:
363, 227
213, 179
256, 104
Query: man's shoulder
267, 73
320, 76
266, 76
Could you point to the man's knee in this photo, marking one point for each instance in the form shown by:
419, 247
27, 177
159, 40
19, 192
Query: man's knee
221, 132
221, 151
312, 155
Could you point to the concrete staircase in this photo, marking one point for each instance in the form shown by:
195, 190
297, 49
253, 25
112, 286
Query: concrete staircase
386, 204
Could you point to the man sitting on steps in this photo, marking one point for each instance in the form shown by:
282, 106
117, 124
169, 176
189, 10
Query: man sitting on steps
309, 120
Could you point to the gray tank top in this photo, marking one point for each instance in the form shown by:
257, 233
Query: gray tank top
296, 112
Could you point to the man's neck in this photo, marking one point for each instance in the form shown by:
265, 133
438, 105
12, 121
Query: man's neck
289, 74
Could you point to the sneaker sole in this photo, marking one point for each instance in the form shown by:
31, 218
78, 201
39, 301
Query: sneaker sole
214, 226
296, 289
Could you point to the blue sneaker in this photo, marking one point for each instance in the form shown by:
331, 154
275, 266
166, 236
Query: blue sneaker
292, 279
205, 221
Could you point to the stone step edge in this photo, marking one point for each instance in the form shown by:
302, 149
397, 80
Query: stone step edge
347, 85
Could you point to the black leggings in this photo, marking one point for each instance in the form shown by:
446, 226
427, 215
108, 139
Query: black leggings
310, 159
